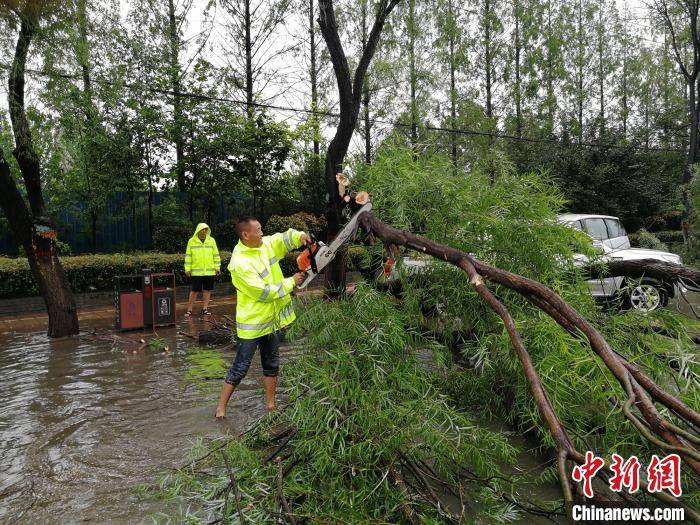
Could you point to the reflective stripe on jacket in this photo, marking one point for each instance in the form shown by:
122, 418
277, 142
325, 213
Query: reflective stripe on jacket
263, 303
202, 257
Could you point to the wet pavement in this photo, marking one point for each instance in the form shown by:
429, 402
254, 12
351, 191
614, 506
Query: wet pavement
84, 422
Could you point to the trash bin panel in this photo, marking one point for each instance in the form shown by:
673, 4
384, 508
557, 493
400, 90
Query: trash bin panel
164, 307
131, 310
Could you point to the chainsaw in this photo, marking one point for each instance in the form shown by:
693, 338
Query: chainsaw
314, 259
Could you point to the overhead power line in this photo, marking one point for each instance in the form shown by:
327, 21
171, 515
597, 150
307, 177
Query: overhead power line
311, 112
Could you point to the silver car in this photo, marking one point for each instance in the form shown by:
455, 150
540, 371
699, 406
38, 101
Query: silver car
612, 243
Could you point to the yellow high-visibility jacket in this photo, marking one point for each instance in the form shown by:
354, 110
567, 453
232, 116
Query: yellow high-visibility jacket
263, 303
202, 257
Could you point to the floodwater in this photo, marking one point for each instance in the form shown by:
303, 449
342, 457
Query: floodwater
82, 423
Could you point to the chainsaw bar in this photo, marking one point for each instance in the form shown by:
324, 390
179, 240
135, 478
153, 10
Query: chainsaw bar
326, 254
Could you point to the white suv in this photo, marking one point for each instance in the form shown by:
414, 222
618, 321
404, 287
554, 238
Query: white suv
611, 241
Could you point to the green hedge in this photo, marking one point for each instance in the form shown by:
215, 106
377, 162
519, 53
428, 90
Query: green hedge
172, 238
302, 221
670, 236
89, 273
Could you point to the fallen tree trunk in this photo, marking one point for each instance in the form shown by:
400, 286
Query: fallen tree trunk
640, 388
663, 271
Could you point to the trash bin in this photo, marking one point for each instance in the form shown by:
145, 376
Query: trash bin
162, 300
144, 300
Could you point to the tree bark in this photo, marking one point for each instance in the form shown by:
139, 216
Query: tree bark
34, 229
349, 95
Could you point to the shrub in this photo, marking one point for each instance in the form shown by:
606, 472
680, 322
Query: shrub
88, 273
171, 238
645, 239
670, 236
225, 234
304, 221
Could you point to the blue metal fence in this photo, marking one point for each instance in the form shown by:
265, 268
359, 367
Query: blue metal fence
124, 225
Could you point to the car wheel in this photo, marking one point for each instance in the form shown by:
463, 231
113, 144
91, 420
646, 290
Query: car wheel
646, 296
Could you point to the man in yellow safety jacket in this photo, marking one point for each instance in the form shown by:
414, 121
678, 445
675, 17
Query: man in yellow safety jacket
263, 304
202, 263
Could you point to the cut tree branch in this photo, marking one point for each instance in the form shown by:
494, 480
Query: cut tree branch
638, 392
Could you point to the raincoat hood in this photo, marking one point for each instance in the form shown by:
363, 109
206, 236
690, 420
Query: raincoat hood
199, 228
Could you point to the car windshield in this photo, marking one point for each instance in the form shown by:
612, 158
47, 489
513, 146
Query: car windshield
615, 228
596, 229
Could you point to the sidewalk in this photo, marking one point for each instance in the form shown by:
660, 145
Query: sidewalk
38, 321
28, 314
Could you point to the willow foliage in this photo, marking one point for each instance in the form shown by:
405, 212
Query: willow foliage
365, 396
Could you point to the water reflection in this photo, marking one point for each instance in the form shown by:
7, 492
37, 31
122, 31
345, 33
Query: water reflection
82, 423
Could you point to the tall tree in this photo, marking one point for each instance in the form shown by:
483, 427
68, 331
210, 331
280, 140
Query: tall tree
349, 95
32, 226
175, 74
680, 18
452, 25
252, 50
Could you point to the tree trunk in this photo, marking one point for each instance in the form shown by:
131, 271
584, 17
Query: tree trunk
88, 164
34, 230
625, 102
413, 76
248, 62
453, 91
518, 91
551, 100
349, 95
488, 58
177, 102
93, 231
601, 69
316, 164
365, 92
579, 79
691, 159
83, 53
150, 194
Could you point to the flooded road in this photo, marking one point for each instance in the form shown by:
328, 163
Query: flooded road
83, 423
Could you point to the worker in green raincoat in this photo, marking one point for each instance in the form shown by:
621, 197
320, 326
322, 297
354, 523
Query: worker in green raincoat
263, 304
202, 264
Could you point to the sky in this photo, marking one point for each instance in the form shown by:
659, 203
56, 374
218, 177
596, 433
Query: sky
294, 89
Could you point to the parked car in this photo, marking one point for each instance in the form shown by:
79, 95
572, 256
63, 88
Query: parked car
612, 243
